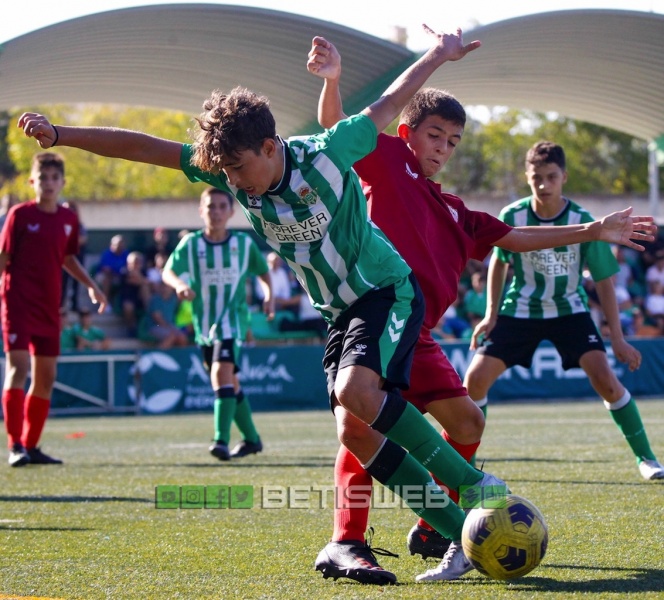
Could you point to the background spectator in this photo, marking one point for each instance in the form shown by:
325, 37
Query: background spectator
111, 267
86, 335
133, 292
160, 244
160, 318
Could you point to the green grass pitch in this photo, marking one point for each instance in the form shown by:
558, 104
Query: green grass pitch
89, 529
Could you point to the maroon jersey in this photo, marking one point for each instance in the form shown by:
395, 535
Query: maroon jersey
37, 243
434, 232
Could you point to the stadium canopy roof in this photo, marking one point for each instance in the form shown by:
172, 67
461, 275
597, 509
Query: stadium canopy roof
601, 66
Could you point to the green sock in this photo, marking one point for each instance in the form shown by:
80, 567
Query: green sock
244, 420
224, 413
410, 480
628, 420
483, 405
413, 432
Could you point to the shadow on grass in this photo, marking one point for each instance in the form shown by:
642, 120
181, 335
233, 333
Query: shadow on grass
541, 459
212, 465
14, 528
72, 499
632, 580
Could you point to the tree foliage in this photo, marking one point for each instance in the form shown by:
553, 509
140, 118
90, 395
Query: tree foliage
489, 160
92, 177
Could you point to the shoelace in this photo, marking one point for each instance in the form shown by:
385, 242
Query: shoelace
449, 555
373, 550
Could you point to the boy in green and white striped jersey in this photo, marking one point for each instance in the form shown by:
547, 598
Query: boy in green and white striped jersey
546, 301
210, 267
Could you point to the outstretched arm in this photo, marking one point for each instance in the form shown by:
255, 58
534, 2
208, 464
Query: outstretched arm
105, 141
617, 228
322, 62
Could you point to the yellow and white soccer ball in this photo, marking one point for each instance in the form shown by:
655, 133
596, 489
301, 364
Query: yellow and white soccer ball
505, 542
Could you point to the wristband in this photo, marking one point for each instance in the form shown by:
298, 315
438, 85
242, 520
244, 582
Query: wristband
57, 136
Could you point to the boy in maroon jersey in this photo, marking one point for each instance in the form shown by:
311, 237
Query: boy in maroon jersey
39, 239
436, 234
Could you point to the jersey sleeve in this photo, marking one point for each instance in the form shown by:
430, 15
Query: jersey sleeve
500, 253
600, 260
178, 261
350, 140
486, 231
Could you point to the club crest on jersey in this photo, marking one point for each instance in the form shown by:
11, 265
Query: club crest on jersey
33, 228
307, 195
254, 201
68, 229
12, 337
454, 212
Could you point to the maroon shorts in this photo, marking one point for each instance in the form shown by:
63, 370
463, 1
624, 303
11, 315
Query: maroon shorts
432, 376
38, 345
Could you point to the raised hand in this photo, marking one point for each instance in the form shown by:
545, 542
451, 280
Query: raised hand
324, 59
38, 127
621, 228
450, 46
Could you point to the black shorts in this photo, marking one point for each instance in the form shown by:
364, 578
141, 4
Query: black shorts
514, 341
378, 331
220, 351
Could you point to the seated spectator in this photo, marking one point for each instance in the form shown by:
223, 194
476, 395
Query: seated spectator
454, 324
86, 335
133, 292
160, 318
111, 267
654, 305
308, 318
154, 272
160, 244
282, 285
474, 300
67, 339
655, 273
441, 332
640, 328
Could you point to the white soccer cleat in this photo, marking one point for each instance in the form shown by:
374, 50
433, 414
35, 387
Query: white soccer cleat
651, 469
454, 565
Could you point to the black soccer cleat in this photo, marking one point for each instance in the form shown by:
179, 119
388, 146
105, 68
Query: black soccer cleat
245, 448
37, 457
427, 542
355, 560
18, 457
220, 450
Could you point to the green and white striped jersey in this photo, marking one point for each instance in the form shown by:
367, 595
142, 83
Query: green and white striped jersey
548, 283
316, 218
217, 273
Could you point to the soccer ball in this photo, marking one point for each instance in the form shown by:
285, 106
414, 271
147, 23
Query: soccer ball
505, 542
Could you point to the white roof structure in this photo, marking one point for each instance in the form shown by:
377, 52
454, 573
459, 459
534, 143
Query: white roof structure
601, 66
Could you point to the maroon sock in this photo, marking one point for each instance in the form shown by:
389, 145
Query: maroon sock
36, 412
352, 486
12, 408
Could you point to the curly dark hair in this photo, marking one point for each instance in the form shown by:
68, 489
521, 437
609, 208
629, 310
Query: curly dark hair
430, 101
229, 124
